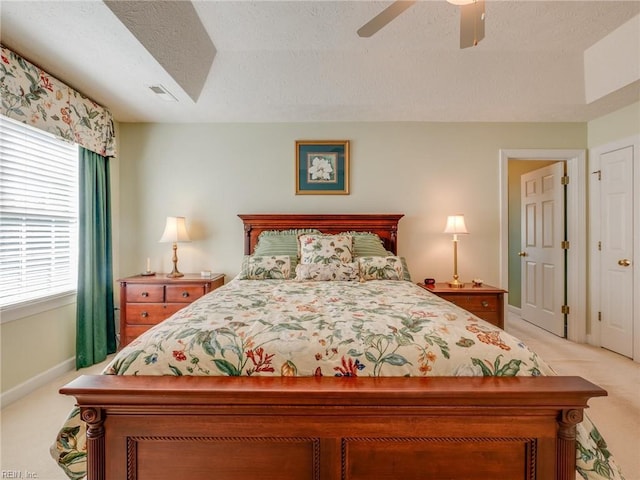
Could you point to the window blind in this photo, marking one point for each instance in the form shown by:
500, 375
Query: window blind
38, 214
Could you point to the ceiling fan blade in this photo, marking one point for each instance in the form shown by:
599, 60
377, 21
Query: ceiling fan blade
471, 24
384, 17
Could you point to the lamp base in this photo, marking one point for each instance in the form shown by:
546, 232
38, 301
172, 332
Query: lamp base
175, 274
455, 283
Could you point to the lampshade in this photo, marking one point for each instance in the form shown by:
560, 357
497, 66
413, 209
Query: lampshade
175, 231
455, 224
461, 2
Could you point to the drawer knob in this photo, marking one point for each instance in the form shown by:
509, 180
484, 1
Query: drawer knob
145, 294
485, 304
144, 314
185, 294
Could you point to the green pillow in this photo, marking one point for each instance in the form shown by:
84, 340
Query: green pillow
405, 270
279, 242
366, 244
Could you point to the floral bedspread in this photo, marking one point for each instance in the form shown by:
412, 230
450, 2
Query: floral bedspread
292, 328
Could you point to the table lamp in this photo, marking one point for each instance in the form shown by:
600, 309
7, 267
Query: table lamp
175, 231
455, 225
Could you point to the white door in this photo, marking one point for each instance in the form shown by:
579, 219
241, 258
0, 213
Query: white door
543, 256
616, 273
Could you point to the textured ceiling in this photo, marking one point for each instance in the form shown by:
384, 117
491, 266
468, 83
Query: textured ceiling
302, 61
174, 35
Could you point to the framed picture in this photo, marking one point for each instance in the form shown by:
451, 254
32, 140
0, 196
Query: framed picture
322, 167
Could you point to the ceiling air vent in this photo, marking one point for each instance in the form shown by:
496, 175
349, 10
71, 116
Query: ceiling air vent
161, 92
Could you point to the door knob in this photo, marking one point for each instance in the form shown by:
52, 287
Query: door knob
522, 254
624, 262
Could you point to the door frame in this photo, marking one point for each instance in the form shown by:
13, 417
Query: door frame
594, 336
576, 207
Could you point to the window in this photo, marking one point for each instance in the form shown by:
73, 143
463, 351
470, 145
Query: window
38, 214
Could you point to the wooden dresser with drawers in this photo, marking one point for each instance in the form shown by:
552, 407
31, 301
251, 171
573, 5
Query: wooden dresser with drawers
146, 301
484, 301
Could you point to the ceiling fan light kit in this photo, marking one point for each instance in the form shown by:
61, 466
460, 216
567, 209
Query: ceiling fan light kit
471, 23
471, 20
461, 2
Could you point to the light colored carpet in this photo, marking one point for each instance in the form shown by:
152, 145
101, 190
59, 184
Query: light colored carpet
30, 425
34, 420
617, 415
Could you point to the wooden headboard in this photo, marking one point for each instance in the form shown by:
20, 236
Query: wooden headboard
385, 225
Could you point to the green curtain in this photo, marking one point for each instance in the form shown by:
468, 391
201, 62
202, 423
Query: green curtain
95, 325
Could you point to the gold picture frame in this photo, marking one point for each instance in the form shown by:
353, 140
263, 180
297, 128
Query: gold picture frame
322, 167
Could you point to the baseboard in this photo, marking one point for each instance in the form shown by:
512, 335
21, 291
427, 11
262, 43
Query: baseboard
19, 391
515, 310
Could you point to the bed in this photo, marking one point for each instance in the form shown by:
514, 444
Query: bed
363, 378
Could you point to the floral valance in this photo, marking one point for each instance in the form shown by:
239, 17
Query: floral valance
32, 96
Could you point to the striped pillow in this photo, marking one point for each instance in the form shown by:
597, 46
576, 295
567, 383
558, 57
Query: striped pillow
279, 242
367, 244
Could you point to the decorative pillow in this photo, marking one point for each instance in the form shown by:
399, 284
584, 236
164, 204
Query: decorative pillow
318, 248
275, 267
332, 271
406, 275
367, 244
380, 268
280, 242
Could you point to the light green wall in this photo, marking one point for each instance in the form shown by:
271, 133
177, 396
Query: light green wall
212, 172
618, 125
35, 344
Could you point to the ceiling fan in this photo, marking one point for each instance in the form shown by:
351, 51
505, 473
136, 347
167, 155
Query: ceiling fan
471, 20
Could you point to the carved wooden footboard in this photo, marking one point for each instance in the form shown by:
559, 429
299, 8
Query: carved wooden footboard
325, 428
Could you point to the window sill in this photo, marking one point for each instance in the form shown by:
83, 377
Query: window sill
34, 307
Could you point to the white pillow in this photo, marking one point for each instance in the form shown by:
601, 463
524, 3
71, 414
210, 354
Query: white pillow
318, 248
380, 268
327, 272
259, 267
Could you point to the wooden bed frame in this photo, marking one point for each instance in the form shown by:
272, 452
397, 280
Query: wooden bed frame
385, 225
327, 428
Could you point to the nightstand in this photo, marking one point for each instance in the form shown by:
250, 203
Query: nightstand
146, 301
485, 301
